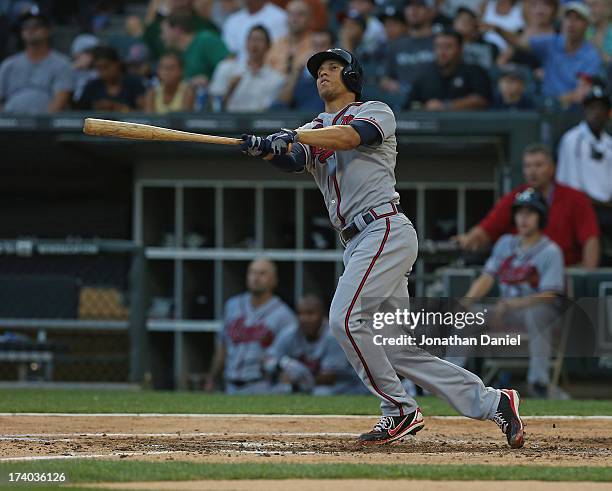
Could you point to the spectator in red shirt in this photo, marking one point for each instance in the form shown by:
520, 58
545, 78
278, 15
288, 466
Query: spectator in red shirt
572, 223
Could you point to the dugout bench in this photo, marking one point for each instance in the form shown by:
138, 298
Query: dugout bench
592, 293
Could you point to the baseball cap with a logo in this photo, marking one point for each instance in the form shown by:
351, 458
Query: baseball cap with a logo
598, 92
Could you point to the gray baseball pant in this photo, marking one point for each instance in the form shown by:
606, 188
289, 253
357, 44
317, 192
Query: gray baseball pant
376, 264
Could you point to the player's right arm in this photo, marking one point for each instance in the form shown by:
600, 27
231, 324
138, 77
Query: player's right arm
373, 123
483, 284
336, 137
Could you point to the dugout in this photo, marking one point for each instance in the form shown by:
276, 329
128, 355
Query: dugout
202, 212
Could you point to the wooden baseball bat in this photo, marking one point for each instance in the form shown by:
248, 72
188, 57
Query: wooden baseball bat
136, 131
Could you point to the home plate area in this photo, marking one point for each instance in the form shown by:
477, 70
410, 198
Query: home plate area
558, 441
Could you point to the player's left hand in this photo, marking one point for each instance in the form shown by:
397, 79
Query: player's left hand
255, 146
280, 143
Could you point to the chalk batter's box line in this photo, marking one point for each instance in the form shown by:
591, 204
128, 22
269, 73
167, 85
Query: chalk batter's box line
141, 454
76, 435
272, 416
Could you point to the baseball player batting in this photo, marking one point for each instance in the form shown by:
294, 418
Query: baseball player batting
350, 149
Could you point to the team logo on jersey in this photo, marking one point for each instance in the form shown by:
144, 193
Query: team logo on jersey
522, 273
240, 333
320, 154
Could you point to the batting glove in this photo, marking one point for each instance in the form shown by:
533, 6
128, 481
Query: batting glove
280, 142
255, 146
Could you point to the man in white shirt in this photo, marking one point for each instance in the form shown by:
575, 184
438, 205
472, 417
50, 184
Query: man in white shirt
249, 86
585, 151
256, 12
585, 159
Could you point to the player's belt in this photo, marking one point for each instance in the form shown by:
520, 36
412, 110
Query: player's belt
350, 231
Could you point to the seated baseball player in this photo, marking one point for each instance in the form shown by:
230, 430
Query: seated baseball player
528, 266
308, 359
251, 322
571, 222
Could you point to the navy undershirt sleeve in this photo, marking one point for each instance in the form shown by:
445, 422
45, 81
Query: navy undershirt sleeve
294, 161
370, 135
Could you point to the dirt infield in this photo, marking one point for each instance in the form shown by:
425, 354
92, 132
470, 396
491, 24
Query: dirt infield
550, 441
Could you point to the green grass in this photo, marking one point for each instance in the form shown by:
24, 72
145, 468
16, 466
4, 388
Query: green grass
88, 401
86, 471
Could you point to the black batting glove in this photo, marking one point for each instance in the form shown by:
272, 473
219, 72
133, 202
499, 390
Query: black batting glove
281, 142
255, 146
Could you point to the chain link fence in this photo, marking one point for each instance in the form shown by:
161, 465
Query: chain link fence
71, 311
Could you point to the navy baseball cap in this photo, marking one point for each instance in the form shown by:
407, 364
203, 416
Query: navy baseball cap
530, 198
598, 92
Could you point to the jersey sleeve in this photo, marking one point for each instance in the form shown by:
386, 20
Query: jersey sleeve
307, 148
500, 252
379, 115
551, 270
499, 220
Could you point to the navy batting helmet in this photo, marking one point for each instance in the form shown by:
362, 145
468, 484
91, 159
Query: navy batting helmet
352, 73
532, 199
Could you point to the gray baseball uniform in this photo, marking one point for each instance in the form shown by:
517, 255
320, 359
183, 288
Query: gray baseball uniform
311, 358
247, 333
525, 272
377, 262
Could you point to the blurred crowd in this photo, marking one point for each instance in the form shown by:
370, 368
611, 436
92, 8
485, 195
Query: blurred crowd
232, 55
